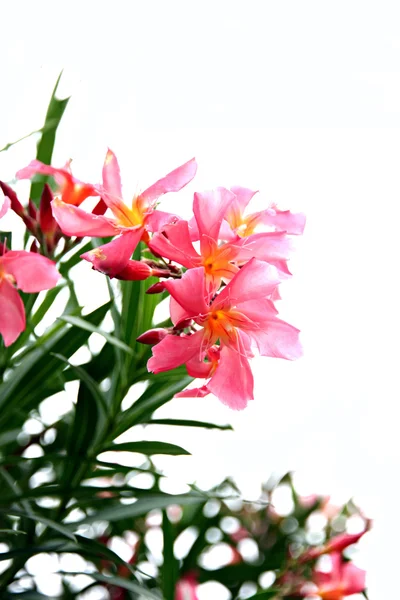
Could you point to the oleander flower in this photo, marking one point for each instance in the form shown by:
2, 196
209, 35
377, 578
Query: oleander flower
129, 222
238, 319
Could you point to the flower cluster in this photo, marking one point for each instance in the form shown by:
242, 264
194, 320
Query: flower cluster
221, 271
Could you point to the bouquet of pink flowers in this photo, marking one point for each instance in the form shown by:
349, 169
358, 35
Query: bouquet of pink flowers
221, 271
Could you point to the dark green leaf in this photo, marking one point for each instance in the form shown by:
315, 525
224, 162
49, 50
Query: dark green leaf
148, 448
169, 569
48, 522
45, 146
126, 584
188, 423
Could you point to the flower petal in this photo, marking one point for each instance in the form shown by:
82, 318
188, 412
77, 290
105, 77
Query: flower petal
12, 312
111, 258
278, 339
353, 579
173, 182
199, 392
282, 220
209, 210
174, 351
72, 190
32, 272
189, 291
256, 279
226, 385
175, 244
111, 175
267, 246
75, 221
234, 214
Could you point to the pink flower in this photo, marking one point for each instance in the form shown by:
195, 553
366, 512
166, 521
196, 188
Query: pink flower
28, 272
243, 224
220, 261
129, 222
186, 588
239, 318
71, 190
343, 579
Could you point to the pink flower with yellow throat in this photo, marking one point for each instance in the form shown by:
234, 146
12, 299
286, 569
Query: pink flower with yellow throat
129, 222
237, 320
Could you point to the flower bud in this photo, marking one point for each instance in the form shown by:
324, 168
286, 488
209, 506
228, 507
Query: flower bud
156, 288
152, 336
135, 270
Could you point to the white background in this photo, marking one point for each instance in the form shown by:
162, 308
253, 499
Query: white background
301, 100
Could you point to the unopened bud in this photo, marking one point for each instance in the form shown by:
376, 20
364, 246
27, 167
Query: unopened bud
135, 270
156, 288
47, 222
153, 336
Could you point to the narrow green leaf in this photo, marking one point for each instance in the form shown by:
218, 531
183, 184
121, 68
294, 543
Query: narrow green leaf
188, 423
148, 448
169, 569
45, 146
83, 324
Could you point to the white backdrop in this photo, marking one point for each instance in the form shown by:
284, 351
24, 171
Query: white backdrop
302, 101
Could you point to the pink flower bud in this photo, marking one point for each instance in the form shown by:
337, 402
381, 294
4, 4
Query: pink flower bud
153, 336
156, 288
46, 220
135, 270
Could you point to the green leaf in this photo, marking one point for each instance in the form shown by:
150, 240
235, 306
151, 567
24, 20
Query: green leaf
142, 506
189, 423
161, 390
83, 324
45, 146
169, 569
148, 448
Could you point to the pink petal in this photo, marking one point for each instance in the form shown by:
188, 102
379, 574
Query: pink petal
32, 272
111, 258
279, 340
4, 205
282, 220
111, 175
175, 244
198, 368
174, 351
342, 541
177, 313
256, 279
12, 313
268, 246
75, 221
231, 389
199, 392
243, 197
157, 219
353, 579
209, 210
73, 191
173, 182
36, 167
189, 291
234, 214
